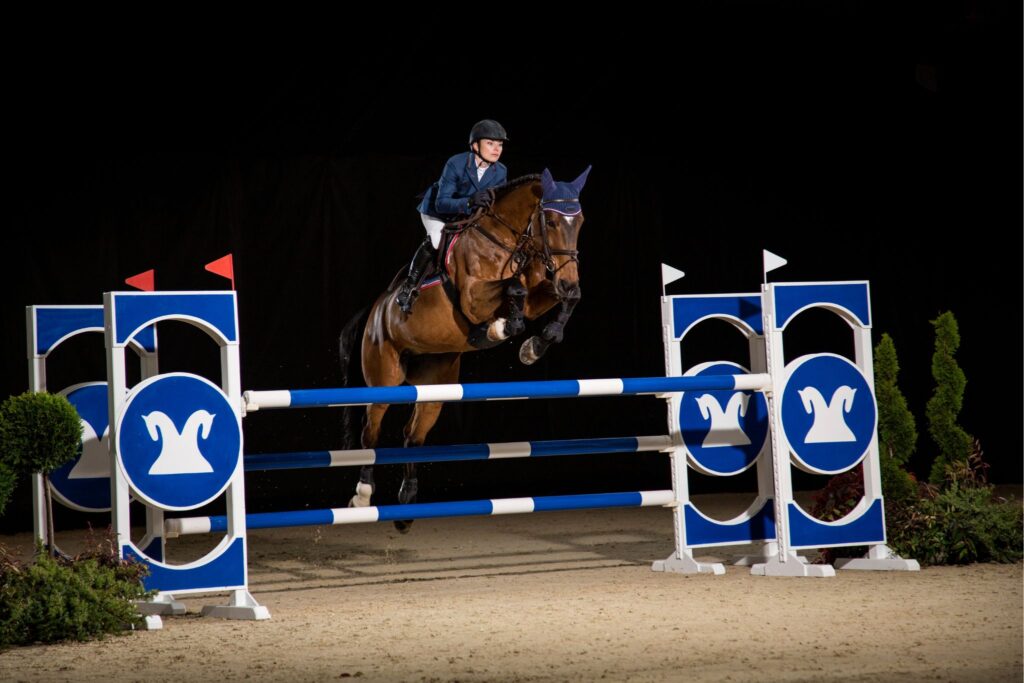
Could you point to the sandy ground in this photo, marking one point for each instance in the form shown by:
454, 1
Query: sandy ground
554, 597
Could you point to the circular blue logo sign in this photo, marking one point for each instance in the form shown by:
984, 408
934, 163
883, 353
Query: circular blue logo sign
828, 413
723, 431
84, 483
179, 441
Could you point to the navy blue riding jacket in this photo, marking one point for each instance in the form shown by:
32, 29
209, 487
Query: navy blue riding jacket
449, 196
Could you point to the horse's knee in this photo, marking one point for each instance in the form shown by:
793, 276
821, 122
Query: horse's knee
516, 290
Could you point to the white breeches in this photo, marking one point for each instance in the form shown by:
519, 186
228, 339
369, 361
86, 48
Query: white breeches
433, 227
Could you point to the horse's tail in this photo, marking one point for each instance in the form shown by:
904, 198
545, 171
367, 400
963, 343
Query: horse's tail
349, 348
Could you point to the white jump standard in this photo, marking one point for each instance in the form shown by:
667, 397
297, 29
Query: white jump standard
177, 443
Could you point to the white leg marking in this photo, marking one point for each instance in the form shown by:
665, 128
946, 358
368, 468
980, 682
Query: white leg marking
496, 332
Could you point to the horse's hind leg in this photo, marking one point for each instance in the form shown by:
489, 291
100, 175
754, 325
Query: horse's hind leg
381, 367
428, 369
369, 439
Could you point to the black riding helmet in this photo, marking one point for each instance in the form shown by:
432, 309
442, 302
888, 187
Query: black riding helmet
488, 128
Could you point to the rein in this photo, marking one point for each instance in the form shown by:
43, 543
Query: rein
525, 250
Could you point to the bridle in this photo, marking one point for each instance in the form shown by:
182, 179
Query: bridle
525, 249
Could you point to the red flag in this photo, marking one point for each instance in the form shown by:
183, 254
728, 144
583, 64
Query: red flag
144, 281
225, 267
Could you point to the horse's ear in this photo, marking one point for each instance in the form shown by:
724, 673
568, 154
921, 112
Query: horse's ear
548, 183
582, 180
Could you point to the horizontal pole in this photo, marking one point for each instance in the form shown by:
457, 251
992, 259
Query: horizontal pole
495, 391
302, 460
183, 526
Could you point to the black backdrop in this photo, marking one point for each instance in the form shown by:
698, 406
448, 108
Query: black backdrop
858, 143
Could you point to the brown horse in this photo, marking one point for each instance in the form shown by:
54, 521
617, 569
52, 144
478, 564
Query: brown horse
513, 261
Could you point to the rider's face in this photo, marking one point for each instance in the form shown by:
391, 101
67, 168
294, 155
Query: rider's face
490, 150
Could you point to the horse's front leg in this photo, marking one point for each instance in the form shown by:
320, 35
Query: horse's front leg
535, 347
515, 323
482, 299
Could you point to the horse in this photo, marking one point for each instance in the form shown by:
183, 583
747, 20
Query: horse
510, 262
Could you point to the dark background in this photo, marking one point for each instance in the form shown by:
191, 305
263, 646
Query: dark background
858, 141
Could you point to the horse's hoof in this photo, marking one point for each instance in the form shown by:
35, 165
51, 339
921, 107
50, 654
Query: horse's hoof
407, 491
527, 353
404, 526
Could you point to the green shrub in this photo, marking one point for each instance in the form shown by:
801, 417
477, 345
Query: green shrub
945, 404
897, 432
961, 522
62, 598
39, 432
958, 526
8, 478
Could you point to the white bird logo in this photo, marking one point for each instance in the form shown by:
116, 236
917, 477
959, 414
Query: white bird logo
725, 424
94, 462
179, 453
829, 425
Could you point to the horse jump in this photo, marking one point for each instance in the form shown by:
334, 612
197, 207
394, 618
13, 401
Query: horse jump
723, 420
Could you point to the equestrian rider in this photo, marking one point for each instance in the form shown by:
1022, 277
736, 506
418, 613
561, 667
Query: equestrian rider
462, 188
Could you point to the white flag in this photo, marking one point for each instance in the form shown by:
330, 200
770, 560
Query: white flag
771, 261
670, 274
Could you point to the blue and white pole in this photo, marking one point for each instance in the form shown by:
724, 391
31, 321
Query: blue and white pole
300, 460
184, 526
497, 391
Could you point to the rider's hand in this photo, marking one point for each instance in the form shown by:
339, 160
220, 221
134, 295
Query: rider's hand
481, 200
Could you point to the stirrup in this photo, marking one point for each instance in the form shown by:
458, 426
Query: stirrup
407, 295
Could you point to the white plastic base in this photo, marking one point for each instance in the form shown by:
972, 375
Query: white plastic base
242, 606
152, 623
257, 613
687, 565
163, 604
793, 566
879, 558
769, 551
751, 560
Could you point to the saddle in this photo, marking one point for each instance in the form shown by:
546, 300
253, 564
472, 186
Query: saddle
436, 272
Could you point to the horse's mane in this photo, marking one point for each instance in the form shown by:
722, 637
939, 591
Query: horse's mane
510, 186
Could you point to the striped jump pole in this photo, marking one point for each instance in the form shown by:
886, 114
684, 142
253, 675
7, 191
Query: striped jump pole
301, 460
497, 391
183, 526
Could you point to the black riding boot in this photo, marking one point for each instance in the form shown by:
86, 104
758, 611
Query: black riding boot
409, 290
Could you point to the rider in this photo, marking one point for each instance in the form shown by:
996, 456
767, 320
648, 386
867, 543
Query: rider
463, 187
